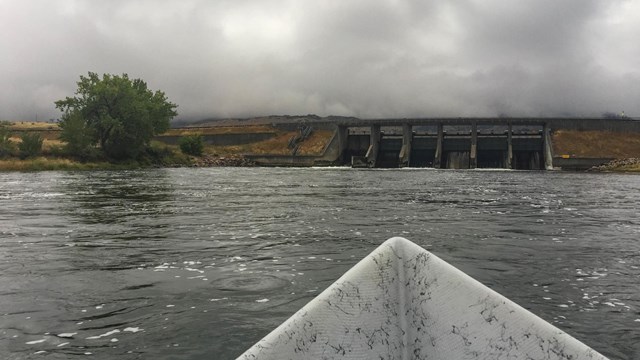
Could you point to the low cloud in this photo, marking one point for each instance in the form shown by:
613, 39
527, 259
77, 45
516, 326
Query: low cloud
389, 58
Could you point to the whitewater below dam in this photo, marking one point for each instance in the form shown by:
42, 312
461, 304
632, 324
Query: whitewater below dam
202, 263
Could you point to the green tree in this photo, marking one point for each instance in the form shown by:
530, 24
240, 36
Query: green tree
78, 135
31, 145
6, 146
120, 115
191, 145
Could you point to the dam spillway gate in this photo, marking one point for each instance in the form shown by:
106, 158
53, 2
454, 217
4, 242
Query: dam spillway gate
456, 146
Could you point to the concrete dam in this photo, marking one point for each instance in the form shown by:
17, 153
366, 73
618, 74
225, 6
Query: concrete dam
449, 147
467, 143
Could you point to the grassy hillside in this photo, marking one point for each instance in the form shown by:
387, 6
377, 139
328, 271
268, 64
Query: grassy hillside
220, 130
277, 145
596, 144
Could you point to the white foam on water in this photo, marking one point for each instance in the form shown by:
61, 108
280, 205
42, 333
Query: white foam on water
63, 344
35, 342
103, 335
133, 329
67, 335
262, 300
214, 300
170, 306
39, 352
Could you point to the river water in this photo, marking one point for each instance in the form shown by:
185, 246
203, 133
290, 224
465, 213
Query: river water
201, 263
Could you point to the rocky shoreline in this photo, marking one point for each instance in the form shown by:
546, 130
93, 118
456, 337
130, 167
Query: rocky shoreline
220, 161
619, 165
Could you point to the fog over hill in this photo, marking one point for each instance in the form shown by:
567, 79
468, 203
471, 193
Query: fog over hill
388, 58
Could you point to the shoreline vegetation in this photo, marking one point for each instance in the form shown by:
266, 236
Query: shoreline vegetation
51, 154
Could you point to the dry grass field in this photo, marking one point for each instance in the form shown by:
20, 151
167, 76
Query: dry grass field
47, 163
596, 144
316, 143
47, 144
216, 130
313, 146
28, 125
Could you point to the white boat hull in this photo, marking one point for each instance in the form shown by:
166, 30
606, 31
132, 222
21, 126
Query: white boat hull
402, 302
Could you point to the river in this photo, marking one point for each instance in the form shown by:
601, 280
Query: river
201, 263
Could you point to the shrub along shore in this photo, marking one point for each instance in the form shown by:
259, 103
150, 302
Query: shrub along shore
42, 154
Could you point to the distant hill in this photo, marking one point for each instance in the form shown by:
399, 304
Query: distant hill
258, 120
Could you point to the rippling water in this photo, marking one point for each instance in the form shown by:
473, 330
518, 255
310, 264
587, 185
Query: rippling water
201, 263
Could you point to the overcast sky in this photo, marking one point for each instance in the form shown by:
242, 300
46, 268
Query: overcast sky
365, 58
